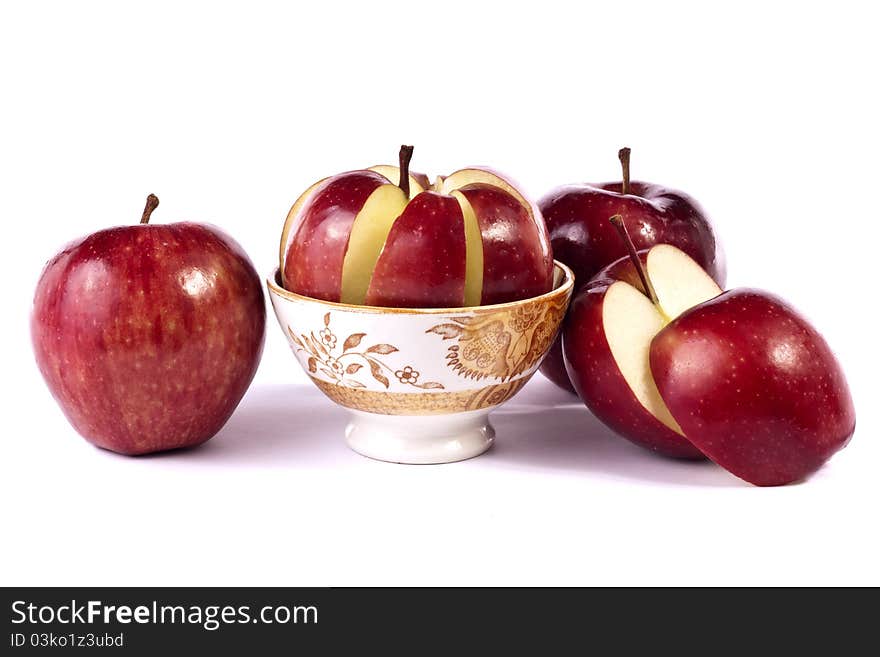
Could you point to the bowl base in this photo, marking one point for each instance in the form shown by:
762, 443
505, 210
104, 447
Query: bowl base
420, 439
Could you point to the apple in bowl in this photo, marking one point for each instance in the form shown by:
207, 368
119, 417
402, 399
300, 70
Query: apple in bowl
581, 237
419, 308
666, 359
383, 237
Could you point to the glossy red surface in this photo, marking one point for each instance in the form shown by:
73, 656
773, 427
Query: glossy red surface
583, 238
422, 264
313, 266
553, 366
754, 386
149, 335
517, 264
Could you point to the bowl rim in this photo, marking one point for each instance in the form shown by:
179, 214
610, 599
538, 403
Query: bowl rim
565, 285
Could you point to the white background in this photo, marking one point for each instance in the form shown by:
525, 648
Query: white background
766, 113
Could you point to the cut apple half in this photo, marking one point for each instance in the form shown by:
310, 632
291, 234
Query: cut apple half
631, 319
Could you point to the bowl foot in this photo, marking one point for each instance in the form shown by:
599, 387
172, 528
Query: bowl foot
420, 439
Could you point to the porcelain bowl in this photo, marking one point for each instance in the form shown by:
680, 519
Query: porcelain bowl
420, 383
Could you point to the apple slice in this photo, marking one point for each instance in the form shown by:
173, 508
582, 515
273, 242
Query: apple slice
607, 343
423, 263
291, 224
514, 261
515, 246
313, 265
369, 231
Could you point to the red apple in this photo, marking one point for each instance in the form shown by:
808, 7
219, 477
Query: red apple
380, 237
149, 335
581, 237
667, 360
754, 387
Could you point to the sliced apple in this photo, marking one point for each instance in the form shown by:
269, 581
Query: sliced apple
368, 234
423, 263
631, 321
514, 262
314, 259
607, 344
344, 239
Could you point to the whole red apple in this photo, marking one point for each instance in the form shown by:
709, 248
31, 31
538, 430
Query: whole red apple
149, 335
754, 387
581, 237
380, 237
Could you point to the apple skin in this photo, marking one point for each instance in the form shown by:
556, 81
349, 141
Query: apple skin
584, 239
314, 265
517, 264
596, 377
428, 268
754, 386
423, 261
149, 335
555, 368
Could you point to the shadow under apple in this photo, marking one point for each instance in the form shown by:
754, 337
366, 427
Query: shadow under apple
543, 428
549, 429
280, 426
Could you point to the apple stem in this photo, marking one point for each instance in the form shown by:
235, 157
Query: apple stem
152, 204
623, 156
405, 156
617, 220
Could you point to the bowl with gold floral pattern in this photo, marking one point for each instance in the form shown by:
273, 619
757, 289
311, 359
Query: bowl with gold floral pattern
420, 383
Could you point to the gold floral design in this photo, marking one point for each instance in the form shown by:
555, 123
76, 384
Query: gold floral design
407, 375
327, 337
421, 403
501, 344
344, 366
